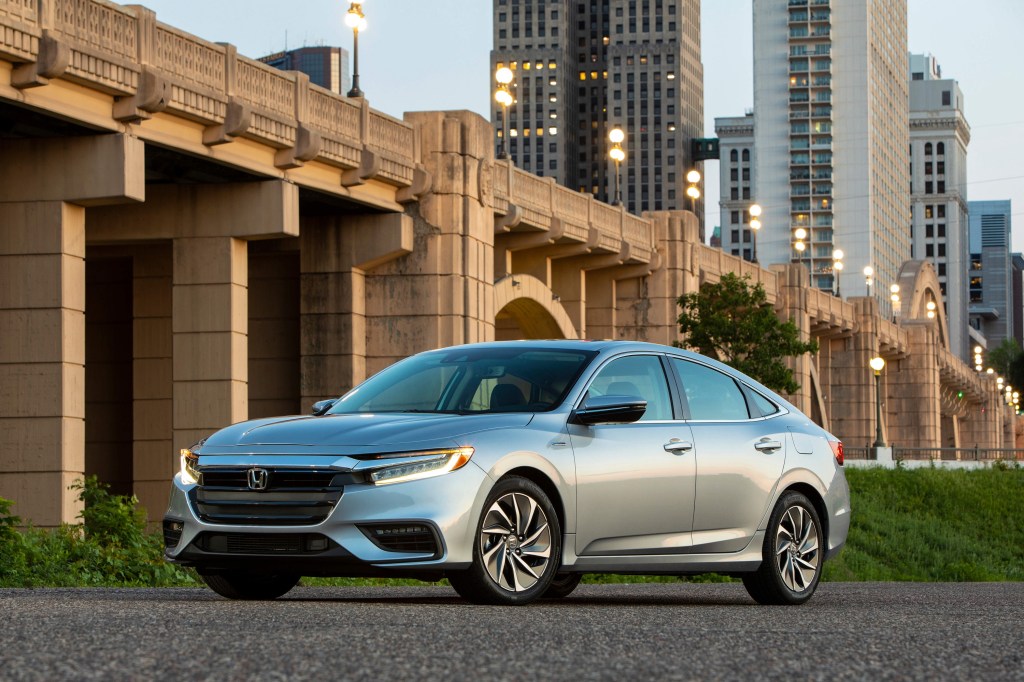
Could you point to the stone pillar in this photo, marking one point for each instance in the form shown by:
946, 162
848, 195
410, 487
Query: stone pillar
851, 382
44, 185
794, 289
913, 396
42, 358
153, 452
210, 328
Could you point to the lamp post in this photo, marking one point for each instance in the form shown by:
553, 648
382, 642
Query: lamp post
799, 235
356, 20
755, 225
977, 358
869, 273
837, 268
618, 155
503, 96
693, 177
876, 364
894, 296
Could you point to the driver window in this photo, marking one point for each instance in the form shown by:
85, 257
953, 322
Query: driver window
636, 375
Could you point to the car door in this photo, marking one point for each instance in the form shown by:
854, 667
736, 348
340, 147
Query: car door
739, 458
635, 482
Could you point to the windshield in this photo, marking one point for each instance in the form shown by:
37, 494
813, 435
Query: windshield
470, 381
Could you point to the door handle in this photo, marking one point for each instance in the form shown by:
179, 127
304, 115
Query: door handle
676, 445
767, 445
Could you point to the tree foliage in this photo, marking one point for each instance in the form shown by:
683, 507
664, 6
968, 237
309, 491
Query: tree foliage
732, 321
1007, 359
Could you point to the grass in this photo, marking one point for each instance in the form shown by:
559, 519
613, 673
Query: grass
934, 525
913, 525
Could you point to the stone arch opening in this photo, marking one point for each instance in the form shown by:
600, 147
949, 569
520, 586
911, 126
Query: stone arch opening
527, 309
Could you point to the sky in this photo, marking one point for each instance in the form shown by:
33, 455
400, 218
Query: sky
422, 55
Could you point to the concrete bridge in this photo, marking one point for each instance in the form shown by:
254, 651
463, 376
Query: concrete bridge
189, 238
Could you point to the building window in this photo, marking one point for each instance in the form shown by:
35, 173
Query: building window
945, 98
735, 218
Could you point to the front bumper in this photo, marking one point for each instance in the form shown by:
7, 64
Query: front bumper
417, 528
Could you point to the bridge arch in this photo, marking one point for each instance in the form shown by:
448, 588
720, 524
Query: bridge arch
527, 309
919, 286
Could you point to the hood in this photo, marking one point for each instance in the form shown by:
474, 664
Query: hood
358, 430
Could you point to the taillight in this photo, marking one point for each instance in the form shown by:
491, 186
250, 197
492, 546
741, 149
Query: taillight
837, 450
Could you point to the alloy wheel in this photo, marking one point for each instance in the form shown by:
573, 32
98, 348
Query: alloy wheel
515, 542
797, 548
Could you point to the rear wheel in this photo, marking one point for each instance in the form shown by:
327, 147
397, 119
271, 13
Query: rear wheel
517, 548
792, 554
239, 585
562, 585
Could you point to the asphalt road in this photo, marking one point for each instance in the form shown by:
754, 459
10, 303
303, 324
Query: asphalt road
848, 631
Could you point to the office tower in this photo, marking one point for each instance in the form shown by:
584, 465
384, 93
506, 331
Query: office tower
939, 136
736, 159
325, 66
991, 309
583, 68
831, 133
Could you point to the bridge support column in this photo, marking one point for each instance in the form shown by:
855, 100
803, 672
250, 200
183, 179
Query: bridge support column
42, 358
914, 390
210, 332
45, 183
850, 386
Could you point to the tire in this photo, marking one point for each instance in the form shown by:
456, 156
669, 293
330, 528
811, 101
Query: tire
789, 570
517, 548
252, 586
562, 585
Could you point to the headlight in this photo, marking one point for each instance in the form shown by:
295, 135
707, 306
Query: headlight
423, 464
189, 467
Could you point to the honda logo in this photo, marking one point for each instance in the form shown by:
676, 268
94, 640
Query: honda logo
257, 479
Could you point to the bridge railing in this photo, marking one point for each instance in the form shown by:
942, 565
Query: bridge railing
975, 454
150, 67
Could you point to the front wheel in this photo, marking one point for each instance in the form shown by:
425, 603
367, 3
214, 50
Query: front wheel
240, 585
792, 554
517, 548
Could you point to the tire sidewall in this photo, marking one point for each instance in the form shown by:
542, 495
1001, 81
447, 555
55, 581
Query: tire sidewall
493, 592
787, 502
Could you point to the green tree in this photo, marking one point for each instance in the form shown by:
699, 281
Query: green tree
733, 321
1003, 357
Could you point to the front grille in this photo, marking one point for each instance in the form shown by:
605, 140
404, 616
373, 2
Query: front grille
402, 537
282, 544
292, 497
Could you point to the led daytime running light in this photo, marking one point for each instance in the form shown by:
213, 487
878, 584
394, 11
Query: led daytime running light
189, 467
444, 462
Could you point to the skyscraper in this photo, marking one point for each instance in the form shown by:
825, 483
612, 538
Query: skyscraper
736, 160
991, 286
939, 136
831, 132
583, 68
325, 66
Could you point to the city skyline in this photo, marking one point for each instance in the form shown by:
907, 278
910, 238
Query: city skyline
938, 27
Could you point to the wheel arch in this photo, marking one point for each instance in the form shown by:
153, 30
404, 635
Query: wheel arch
815, 498
546, 484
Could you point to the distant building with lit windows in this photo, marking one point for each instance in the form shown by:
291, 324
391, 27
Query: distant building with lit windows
325, 66
939, 135
735, 180
583, 68
992, 312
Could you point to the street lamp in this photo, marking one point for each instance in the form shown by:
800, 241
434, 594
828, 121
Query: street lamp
837, 267
356, 20
977, 358
799, 235
876, 364
755, 225
618, 154
869, 273
930, 308
894, 296
503, 96
693, 177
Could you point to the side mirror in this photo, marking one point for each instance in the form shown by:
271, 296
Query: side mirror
604, 409
320, 407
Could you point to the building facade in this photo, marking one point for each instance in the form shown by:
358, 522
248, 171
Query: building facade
991, 310
735, 182
939, 135
581, 69
325, 66
832, 133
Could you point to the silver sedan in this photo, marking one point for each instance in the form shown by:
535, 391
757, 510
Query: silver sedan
512, 469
